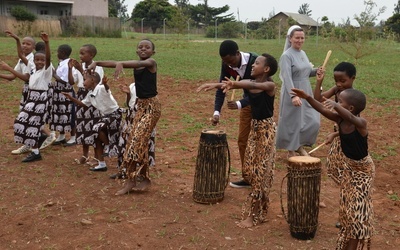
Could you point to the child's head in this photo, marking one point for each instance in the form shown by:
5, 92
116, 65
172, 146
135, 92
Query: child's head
230, 54
264, 64
39, 59
353, 100
145, 49
87, 52
64, 51
40, 46
28, 44
91, 80
344, 74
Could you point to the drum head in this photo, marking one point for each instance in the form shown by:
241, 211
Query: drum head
304, 159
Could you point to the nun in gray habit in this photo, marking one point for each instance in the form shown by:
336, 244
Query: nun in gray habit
298, 122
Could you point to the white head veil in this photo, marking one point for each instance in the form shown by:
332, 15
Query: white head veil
287, 41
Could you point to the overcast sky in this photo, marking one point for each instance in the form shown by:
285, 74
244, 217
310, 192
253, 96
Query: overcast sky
253, 10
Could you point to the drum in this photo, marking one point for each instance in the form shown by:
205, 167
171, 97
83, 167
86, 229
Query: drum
303, 189
212, 167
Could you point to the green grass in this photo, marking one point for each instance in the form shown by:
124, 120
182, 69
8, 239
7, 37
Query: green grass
197, 58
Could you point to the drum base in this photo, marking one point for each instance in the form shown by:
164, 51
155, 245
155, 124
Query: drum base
303, 236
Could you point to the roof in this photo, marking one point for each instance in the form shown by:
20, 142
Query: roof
300, 18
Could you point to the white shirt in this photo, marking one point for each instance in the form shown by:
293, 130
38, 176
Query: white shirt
40, 79
99, 71
242, 68
132, 100
25, 69
101, 99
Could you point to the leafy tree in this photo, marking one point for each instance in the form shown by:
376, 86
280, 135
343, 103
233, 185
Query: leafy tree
23, 14
393, 24
154, 12
178, 21
397, 8
305, 9
117, 8
367, 18
203, 14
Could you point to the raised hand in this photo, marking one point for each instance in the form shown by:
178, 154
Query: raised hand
44, 36
9, 33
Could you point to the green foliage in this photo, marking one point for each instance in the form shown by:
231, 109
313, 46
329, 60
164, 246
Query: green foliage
229, 30
304, 9
203, 14
154, 12
393, 25
117, 8
23, 14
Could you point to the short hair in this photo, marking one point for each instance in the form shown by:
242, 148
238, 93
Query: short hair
228, 47
346, 67
31, 38
40, 46
356, 98
66, 49
152, 44
91, 48
271, 62
95, 76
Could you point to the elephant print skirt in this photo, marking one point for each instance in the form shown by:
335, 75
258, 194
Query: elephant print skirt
31, 118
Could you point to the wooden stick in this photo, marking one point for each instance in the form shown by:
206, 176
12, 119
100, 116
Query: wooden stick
233, 91
316, 148
327, 58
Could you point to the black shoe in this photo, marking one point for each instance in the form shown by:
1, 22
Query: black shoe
59, 142
42, 138
338, 225
98, 169
239, 184
32, 157
117, 176
67, 144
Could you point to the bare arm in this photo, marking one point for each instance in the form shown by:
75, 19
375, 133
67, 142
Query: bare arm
22, 76
73, 99
249, 84
45, 39
19, 48
209, 86
149, 63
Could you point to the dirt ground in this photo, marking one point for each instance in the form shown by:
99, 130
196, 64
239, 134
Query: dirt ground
57, 204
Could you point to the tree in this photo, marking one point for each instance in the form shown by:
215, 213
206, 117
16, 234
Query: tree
154, 12
206, 15
397, 8
305, 9
117, 8
367, 18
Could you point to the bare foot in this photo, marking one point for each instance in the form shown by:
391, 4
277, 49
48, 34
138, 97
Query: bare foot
127, 188
302, 151
248, 222
144, 185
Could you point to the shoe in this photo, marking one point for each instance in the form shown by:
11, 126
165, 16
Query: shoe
68, 144
59, 142
117, 176
49, 140
21, 150
32, 157
338, 225
98, 169
42, 138
239, 184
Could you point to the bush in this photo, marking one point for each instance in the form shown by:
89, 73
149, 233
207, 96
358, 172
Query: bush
23, 14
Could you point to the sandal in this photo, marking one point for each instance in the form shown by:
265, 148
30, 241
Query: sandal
82, 160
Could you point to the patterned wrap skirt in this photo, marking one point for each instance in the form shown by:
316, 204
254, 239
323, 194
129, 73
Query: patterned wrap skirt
85, 120
335, 161
258, 169
62, 108
24, 96
135, 161
356, 210
30, 120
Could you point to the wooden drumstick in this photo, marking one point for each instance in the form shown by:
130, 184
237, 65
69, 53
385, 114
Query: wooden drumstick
316, 148
233, 91
327, 58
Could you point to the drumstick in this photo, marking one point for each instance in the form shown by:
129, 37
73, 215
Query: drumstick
233, 91
317, 147
327, 58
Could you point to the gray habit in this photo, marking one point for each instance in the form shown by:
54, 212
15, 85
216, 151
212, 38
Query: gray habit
297, 126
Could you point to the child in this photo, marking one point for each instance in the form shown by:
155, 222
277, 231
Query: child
148, 113
259, 160
344, 74
356, 211
31, 117
62, 118
106, 131
89, 115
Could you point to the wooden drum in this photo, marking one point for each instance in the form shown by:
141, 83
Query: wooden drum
212, 167
303, 188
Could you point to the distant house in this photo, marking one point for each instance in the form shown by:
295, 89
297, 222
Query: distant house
304, 21
58, 8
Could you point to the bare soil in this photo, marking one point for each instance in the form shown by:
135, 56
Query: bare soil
57, 204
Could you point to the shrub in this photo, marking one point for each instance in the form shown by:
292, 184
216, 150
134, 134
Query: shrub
22, 14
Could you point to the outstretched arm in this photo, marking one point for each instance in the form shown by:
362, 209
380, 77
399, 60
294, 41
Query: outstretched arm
21, 55
45, 39
248, 84
149, 63
333, 116
73, 99
209, 86
22, 76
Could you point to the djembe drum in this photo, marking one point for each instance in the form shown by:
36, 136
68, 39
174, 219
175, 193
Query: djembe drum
303, 188
212, 167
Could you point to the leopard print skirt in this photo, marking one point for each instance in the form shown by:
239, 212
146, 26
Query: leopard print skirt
136, 158
335, 161
258, 169
356, 210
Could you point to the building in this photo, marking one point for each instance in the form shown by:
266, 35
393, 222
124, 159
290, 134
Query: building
58, 8
304, 21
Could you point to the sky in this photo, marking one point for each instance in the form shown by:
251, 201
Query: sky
253, 10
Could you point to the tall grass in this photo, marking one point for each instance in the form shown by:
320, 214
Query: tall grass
196, 58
